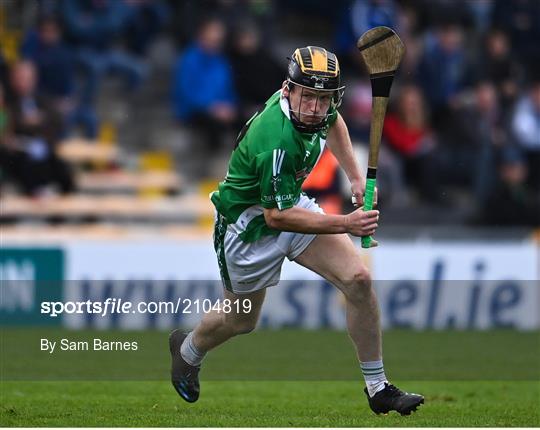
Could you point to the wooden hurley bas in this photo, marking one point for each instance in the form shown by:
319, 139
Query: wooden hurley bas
382, 50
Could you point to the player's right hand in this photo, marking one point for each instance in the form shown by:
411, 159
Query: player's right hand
360, 223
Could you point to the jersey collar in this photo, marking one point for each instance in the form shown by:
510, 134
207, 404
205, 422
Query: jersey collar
284, 103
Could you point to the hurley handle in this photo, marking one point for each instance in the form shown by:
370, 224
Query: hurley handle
368, 205
381, 89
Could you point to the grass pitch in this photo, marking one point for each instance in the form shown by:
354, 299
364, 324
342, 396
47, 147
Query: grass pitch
284, 378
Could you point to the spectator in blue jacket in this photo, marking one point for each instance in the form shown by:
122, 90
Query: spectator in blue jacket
53, 60
93, 27
203, 91
357, 18
443, 69
56, 70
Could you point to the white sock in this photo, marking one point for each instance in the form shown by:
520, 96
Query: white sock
374, 376
189, 352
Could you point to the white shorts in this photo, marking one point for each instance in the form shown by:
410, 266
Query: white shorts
249, 267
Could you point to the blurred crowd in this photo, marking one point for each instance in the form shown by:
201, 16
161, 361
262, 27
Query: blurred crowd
463, 126
465, 110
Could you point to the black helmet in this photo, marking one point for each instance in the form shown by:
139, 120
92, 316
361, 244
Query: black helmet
317, 69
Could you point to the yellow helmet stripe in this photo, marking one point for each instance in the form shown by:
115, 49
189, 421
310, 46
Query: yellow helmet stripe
319, 59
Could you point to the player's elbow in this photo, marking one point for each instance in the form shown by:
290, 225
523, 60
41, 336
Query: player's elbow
273, 218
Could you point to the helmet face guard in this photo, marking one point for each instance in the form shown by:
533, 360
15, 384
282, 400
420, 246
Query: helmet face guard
317, 70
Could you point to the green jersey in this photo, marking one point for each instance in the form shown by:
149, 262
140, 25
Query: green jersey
267, 168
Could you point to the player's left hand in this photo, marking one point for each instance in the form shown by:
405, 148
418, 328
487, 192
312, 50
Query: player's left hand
358, 188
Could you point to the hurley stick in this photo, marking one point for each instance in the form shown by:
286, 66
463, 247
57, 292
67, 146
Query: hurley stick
381, 50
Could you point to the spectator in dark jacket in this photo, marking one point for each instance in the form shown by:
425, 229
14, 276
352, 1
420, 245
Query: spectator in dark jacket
512, 202
146, 19
521, 20
498, 65
256, 73
30, 159
482, 131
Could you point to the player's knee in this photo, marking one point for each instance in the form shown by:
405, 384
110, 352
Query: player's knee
362, 276
358, 287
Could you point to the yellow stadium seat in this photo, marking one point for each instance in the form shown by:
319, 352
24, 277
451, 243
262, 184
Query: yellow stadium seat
156, 161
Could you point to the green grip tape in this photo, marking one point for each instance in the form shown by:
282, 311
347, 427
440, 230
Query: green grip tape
368, 205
